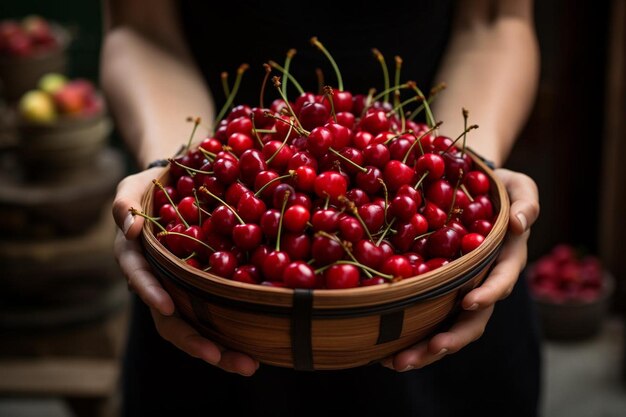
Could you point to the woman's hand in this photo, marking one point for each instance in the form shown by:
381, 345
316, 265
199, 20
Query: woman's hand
140, 279
478, 304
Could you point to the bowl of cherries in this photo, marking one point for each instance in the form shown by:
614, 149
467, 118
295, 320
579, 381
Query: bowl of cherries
323, 231
571, 291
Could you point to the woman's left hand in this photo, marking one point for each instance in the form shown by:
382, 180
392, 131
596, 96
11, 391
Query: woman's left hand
478, 304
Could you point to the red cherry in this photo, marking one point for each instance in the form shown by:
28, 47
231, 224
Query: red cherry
299, 275
296, 218
431, 163
188, 209
444, 243
370, 180
297, 246
239, 143
482, 227
403, 207
222, 263
326, 251
247, 273
342, 276
313, 115
375, 122
376, 154
397, 174
471, 241
304, 179
350, 229
367, 253
477, 183
250, 208
435, 216
326, 220
274, 265
226, 170
330, 184
251, 163
269, 223
319, 141
398, 266
247, 236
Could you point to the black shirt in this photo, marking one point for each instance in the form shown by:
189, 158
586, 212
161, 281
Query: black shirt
223, 35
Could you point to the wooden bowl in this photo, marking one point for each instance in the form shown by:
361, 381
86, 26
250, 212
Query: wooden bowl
20, 74
324, 329
68, 145
575, 319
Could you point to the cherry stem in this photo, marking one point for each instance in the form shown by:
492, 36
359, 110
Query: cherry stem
430, 119
280, 222
135, 212
389, 90
254, 130
381, 59
345, 246
396, 83
465, 116
368, 101
189, 169
326, 202
189, 257
225, 87
288, 77
348, 160
366, 268
277, 84
209, 155
467, 193
380, 239
282, 145
167, 232
160, 186
196, 121
320, 80
424, 235
467, 129
456, 187
242, 68
299, 129
401, 109
419, 182
291, 174
400, 106
195, 195
355, 212
328, 93
433, 94
386, 192
266, 77
419, 140
319, 46
206, 191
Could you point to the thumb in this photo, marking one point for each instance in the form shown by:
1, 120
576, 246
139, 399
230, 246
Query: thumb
524, 199
130, 192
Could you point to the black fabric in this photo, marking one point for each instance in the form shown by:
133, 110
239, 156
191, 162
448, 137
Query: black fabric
223, 35
494, 376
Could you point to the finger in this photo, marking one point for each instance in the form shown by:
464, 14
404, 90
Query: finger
176, 331
469, 327
238, 363
130, 192
139, 275
501, 281
524, 200
186, 338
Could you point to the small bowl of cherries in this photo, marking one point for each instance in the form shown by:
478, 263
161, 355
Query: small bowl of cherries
572, 292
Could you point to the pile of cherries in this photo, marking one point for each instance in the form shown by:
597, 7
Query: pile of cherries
331, 190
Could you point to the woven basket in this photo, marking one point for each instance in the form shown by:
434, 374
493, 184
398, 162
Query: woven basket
324, 329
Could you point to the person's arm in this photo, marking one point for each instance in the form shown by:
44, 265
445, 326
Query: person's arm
152, 86
491, 68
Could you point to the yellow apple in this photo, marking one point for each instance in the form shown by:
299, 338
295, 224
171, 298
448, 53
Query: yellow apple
38, 107
52, 82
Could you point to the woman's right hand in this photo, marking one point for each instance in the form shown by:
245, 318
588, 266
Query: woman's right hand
129, 255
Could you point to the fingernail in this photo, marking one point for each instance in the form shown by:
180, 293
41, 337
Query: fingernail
408, 368
522, 220
387, 363
442, 352
472, 307
128, 222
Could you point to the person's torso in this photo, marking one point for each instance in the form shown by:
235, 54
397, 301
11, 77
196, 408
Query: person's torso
223, 35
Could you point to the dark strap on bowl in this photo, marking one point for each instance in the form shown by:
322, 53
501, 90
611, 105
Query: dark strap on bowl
301, 347
390, 326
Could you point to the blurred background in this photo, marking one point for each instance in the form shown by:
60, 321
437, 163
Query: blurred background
63, 303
